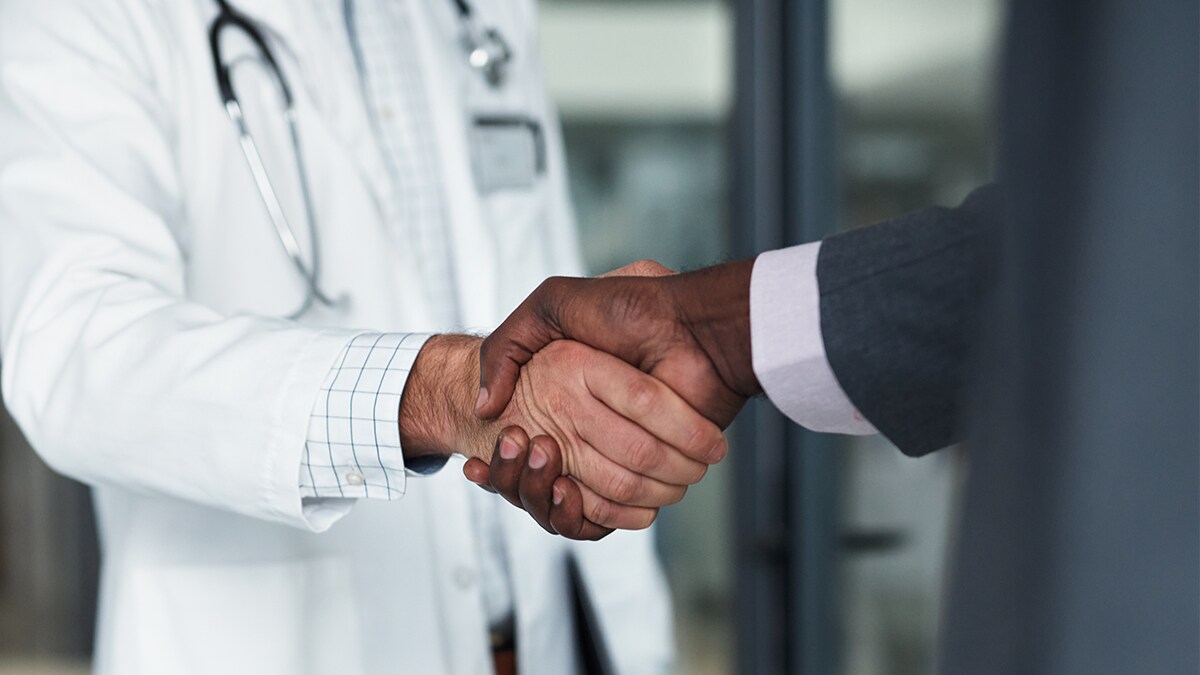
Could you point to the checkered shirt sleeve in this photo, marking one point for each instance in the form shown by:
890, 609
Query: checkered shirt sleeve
353, 443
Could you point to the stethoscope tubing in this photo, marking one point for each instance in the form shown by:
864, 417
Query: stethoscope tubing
228, 17
488, 52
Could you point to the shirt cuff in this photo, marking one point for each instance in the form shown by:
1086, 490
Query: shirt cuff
786, 345
353, 444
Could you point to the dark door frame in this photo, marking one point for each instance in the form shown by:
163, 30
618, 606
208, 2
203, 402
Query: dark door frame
785, 193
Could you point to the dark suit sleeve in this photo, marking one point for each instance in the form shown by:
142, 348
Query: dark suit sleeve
899, 306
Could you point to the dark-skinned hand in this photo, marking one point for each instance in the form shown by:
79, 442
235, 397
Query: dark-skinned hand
529, 475
691, 331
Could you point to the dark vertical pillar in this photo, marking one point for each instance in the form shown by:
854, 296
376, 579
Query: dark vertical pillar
811, 205
785, 194
759, 442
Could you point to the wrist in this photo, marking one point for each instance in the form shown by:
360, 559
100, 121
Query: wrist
436, 415
714, 304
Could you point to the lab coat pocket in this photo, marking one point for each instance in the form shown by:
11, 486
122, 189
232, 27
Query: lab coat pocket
289, 616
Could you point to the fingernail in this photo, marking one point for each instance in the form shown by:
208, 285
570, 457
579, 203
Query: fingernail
509, 450
556, 495
537, 458
481, 399
718, 451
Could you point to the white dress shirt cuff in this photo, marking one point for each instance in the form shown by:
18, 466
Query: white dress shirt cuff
353, 444
787, 347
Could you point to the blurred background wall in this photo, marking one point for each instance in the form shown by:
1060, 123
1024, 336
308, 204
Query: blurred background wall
646, 92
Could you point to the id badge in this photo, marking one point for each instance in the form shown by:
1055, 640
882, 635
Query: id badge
507, 153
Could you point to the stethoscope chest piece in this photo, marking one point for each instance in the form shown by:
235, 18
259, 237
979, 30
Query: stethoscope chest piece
488, 53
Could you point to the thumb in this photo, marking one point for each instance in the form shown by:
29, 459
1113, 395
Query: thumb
532, 326
500, 361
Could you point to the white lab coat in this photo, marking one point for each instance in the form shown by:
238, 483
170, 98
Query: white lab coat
138, 278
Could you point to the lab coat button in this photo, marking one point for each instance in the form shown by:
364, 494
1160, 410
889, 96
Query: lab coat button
464, 578
355, 478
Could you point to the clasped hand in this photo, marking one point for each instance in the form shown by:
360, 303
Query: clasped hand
664, 374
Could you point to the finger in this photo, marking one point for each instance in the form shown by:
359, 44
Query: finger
653, 406
546, 493
635, 449
537, 479
613, 481
566, 514
478, 473
512, 448
641, 268
606, 513
513, 343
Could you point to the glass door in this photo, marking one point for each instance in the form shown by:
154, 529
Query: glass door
645, 92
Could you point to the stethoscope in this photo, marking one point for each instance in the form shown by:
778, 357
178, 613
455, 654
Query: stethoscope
487, 53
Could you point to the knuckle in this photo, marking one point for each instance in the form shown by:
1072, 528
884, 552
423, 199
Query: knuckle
675, 496
644, 455
644, 267
623, 487
548, 288
600, 511
567, 353
701, 438
643, 395
546, 297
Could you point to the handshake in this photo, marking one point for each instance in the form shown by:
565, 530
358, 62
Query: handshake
599, 401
